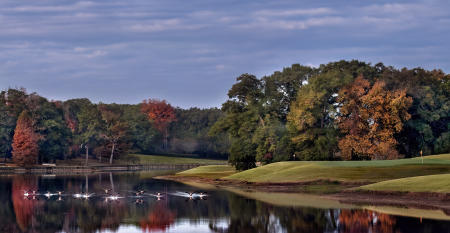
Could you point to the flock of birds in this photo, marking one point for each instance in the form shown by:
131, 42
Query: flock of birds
109, 195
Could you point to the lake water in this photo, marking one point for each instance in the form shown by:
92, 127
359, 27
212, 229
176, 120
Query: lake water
219, 211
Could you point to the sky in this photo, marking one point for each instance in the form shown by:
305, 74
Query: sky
190, 52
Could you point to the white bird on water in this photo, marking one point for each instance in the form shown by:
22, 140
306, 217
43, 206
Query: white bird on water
48, 194
113, 197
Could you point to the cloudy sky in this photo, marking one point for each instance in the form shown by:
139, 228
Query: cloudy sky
190, 52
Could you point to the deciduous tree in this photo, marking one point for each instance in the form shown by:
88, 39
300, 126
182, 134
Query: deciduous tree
25, 142
161, 114
369, 117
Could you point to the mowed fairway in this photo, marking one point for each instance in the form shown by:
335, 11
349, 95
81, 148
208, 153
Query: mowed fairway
349, 171
211, 171
437, 183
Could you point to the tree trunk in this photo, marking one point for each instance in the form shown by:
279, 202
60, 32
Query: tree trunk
87, 185
111, 182
165, 138
112, 153
87, 155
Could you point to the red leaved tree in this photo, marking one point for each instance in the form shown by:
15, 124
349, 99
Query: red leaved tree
25, 142
161, 114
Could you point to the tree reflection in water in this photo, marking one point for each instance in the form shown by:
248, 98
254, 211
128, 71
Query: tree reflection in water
355, 221
159, 218
23, 206
222, 212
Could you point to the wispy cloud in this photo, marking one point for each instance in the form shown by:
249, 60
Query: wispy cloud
112, 48
295, 12
52, 8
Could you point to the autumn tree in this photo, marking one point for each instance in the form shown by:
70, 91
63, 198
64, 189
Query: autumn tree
369, 117
161, 114
116, 129
25, 142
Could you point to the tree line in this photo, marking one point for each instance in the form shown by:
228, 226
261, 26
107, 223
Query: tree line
36, 130
345, 110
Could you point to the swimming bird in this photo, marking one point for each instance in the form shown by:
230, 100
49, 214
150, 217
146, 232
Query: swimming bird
107, 190
202, 195
48, 194
113, 197
87, 195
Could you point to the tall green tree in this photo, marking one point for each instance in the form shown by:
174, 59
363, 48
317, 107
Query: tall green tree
428, 128
242, 113
90, 127
116, 129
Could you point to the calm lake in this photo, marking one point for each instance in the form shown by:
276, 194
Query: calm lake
174, 210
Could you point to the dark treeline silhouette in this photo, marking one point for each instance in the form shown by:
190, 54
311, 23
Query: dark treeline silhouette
341, 110
34, 129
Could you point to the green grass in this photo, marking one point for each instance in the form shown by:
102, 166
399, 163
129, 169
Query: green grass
211, 171
355, 171
436, 183
170, 159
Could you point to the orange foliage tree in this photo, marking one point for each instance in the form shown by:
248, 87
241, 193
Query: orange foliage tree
369, 118
161, 114
25, 142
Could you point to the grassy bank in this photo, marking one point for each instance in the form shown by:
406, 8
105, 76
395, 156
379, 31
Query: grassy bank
347, 171
211, 171
437, 183
431, 173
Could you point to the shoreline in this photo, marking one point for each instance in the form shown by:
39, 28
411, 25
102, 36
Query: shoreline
422, 200
67, 169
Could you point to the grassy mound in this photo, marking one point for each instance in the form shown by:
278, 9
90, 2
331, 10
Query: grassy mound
435, 183
211, 171
355, 171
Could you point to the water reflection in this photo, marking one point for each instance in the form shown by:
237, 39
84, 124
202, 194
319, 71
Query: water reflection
222, 211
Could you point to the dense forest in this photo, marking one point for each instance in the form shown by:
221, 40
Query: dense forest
346, 110
33, 129
338, 111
